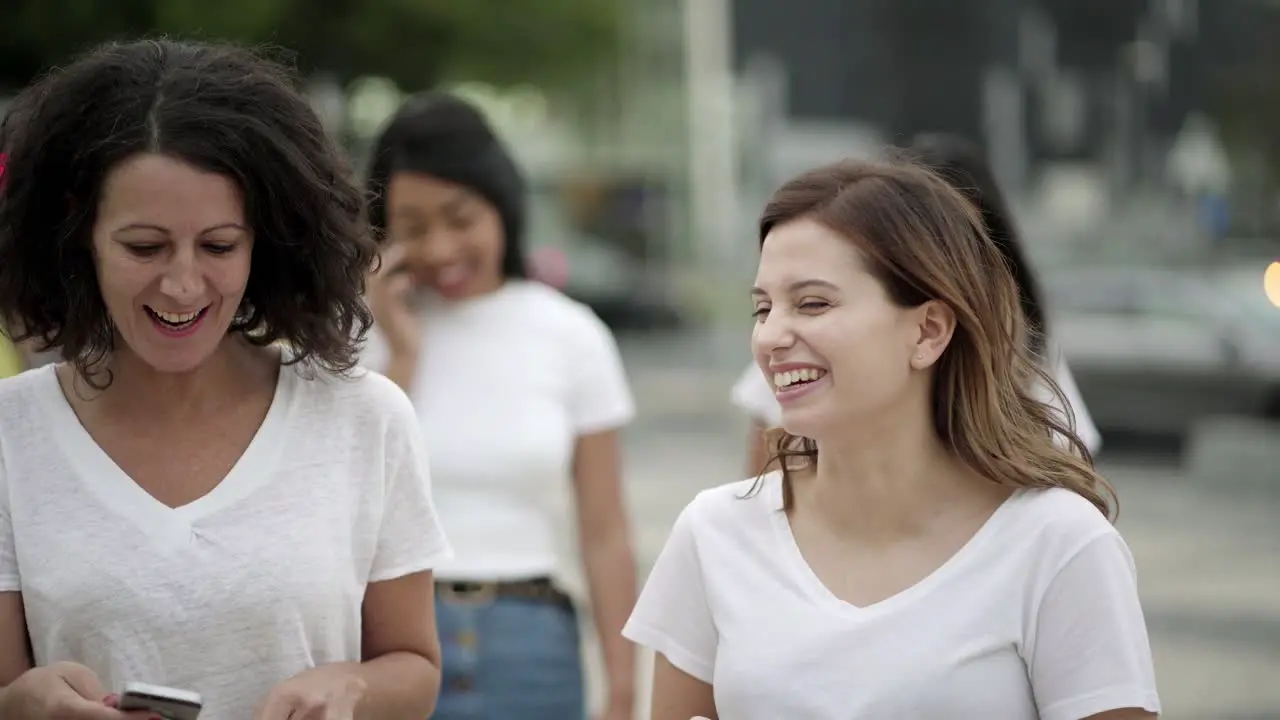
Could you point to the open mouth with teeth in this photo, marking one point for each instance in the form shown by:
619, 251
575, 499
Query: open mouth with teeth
792, 379
176, 321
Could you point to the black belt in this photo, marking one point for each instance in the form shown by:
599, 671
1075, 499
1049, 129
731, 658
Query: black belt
469, 591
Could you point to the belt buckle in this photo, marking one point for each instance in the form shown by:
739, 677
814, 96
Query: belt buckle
471, 593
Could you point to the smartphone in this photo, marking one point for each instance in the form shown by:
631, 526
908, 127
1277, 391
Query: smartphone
168, 703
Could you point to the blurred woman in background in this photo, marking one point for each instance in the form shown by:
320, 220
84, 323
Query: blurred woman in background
520, 392
962, 164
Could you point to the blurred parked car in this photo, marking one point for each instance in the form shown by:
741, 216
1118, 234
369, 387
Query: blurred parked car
609, 258
1155, 349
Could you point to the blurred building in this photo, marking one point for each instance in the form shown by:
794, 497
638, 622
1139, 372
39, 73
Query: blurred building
1081, 69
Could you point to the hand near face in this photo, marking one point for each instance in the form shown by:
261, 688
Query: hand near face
389, 293
324, 693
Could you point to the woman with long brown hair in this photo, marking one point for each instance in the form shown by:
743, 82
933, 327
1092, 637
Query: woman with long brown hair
929, 548
963, 164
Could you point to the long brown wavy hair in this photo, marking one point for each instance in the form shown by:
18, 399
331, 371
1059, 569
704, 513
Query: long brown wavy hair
924, 241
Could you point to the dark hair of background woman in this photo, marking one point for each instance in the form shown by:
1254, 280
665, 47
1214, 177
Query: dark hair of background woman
439, 134
221, 109
964, 165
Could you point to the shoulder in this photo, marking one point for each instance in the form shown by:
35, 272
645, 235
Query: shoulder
1058, 523
22, 423
734, 508
363, 399
1060, 510
18, 393
568, 317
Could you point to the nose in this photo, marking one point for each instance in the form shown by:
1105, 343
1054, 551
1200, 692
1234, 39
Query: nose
441, 248
772, 333
182, 279
437, 257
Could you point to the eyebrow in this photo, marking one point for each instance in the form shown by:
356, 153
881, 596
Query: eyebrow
157, 228
412, 211
459, 201
408, 212
799, 285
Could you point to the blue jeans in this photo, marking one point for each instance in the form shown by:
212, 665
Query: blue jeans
507, 659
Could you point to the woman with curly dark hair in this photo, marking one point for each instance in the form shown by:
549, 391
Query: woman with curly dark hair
181, 502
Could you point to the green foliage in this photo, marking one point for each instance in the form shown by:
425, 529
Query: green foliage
415, 42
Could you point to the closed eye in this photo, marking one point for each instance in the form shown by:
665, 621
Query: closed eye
461, 223
220, 248
144, 250
814, 305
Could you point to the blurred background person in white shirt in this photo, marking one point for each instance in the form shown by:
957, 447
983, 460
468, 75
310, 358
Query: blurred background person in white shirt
520, 392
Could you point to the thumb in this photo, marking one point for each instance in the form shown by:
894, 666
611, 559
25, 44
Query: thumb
84, 682
88, 703
400, 287
390, 258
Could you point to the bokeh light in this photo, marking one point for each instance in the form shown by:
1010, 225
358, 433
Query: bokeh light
1271, 283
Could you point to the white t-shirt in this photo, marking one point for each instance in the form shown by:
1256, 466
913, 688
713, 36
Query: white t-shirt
753, 394
506, 383
251, 584
1037, 613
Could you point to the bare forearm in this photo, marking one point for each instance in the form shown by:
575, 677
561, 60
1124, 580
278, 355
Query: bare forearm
398, 686
611, 575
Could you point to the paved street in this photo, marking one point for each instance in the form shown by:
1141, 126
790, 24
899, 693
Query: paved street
1208, 555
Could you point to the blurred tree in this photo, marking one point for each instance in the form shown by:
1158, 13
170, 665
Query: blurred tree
417, 43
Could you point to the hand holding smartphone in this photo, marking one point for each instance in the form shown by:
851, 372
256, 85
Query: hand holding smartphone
168, 703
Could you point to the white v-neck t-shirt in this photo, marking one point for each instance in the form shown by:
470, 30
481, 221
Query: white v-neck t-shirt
251, 584
1036, 618
506, 384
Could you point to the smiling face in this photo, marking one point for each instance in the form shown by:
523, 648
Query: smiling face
835, 346
453, 238
172, 250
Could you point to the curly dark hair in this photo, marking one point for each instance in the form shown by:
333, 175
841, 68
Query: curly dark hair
223, 109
